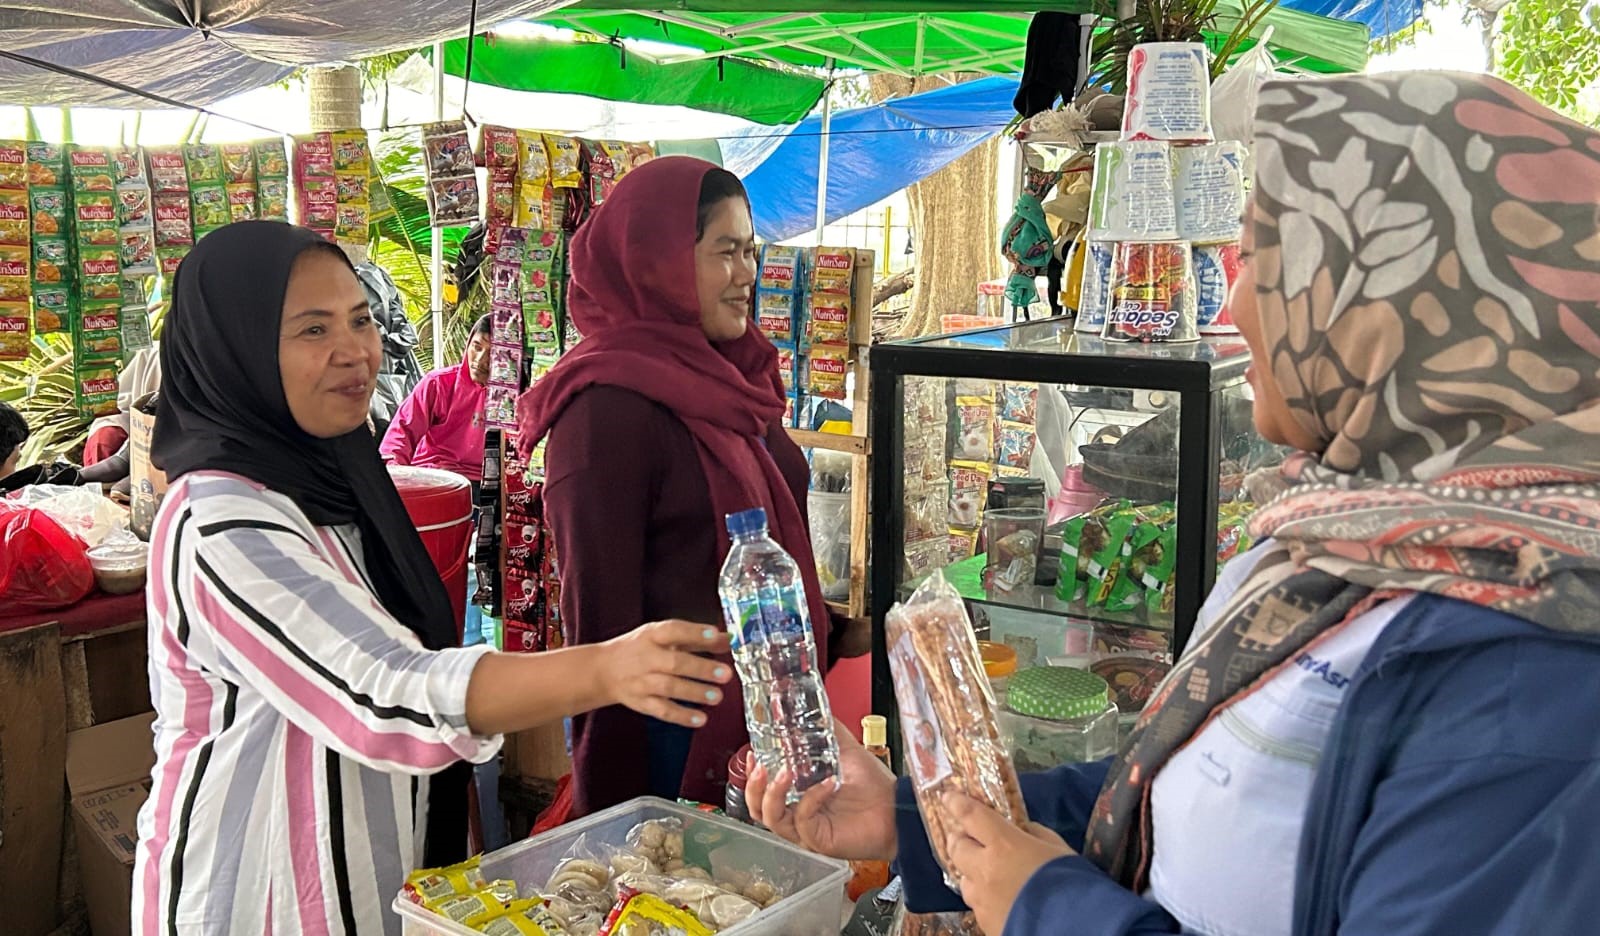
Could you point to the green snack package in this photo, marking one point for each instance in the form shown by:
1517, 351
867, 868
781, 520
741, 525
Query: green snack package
1105, 564
272, 161
99, 333
210, 205
1069, 587
1144, 549
95, 385
204, 162
52, 310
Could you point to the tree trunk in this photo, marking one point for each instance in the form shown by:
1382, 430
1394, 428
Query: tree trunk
335, 96
955, 224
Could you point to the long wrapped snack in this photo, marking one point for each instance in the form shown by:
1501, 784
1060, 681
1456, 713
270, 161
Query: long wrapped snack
947, 712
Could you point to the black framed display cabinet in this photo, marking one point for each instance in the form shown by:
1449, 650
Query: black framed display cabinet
1052, 476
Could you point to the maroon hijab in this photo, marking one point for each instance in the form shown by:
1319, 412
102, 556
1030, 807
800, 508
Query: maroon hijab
634, 297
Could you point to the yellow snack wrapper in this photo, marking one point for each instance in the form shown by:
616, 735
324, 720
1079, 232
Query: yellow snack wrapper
429, 886
472, 910
646, 914
566, 167
525, 918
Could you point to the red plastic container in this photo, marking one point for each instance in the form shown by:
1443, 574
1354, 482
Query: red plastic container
440, 506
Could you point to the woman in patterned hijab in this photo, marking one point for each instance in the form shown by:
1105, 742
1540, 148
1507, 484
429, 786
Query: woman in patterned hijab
1423, 307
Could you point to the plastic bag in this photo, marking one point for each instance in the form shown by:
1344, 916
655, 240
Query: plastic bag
1234, 95
42, 565
82, 511
947, 712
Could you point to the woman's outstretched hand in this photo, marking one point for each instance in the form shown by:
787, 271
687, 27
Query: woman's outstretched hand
994, 858
660, 665
854, 822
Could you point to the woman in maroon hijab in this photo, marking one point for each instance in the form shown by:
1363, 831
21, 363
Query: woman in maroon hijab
664, 419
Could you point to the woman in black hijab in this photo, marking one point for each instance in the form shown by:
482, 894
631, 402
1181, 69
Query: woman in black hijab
302, 643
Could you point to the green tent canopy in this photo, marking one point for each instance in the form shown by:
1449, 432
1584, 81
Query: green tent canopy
728, 85
913, 37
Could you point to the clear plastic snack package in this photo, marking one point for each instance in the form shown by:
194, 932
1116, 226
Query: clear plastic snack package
947, 712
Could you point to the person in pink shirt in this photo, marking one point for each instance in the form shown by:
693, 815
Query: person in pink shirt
441, 424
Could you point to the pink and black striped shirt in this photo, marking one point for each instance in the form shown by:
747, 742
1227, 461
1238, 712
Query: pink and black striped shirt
294, 718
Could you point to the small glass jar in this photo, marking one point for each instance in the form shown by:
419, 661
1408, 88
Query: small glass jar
1055, 715
734, 803
999, 664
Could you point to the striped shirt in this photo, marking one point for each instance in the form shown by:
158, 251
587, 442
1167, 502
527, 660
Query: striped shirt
293, 715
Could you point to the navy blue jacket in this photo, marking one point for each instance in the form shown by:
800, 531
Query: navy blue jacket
1459, 793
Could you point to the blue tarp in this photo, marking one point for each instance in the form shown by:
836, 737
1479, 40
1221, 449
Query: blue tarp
873, 152
200, 51
1383, 17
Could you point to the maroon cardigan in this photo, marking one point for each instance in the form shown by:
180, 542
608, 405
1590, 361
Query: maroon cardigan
636, 542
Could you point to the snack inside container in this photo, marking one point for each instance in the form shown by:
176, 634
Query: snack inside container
815, 884
120, 569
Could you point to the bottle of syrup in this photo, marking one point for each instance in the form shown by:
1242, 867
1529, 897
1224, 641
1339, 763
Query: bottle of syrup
867, 875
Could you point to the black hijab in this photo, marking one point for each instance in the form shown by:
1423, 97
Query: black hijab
222, 408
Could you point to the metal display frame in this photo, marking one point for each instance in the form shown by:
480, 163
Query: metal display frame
1197, 381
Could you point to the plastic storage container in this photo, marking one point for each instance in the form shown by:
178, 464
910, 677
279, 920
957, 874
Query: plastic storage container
815, 884
1055, 715
120, 569
999, 664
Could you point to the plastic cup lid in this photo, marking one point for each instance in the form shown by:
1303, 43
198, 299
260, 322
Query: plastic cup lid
1057, 693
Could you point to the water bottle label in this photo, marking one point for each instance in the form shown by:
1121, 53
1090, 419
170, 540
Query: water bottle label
759, 622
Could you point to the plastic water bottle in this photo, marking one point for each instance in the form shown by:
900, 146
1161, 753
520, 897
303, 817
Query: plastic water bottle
769, 625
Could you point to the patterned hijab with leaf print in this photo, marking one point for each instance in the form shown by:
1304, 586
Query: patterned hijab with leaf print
1428, 280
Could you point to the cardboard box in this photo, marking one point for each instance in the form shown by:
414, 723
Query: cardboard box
147, 484
108, 774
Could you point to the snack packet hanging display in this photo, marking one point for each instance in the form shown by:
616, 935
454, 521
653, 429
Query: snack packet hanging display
827, 366
775, 314
168, 174
832, 270
566, 161
52, 309
47, 165
947, 712
204, 163
506, 333
1014, 446
828, 318
13, 166
15, 332
1169, 93
316, 187
16, 285
452, 181
272, 180
781, 269
1215, 269
49, 212
91, 170
95, 387
975, 441
969, 492
1019, 403
352, 166
99, 332
1153, 294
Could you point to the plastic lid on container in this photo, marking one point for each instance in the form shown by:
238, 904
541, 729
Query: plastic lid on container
999, 660
875, 731
747, 522
739, 769
1057, 693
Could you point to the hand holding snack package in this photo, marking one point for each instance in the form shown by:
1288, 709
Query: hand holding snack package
947, 712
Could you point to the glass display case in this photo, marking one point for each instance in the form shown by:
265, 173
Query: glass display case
1080, 493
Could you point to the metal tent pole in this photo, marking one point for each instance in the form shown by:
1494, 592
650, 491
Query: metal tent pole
436, 300
822, 159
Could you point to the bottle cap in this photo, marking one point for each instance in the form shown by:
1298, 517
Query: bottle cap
875, 731
747, 522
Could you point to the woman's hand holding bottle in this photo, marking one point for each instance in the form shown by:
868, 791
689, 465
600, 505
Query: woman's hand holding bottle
854, 822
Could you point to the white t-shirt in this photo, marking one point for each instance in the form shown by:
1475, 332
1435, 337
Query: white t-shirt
1227, 810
